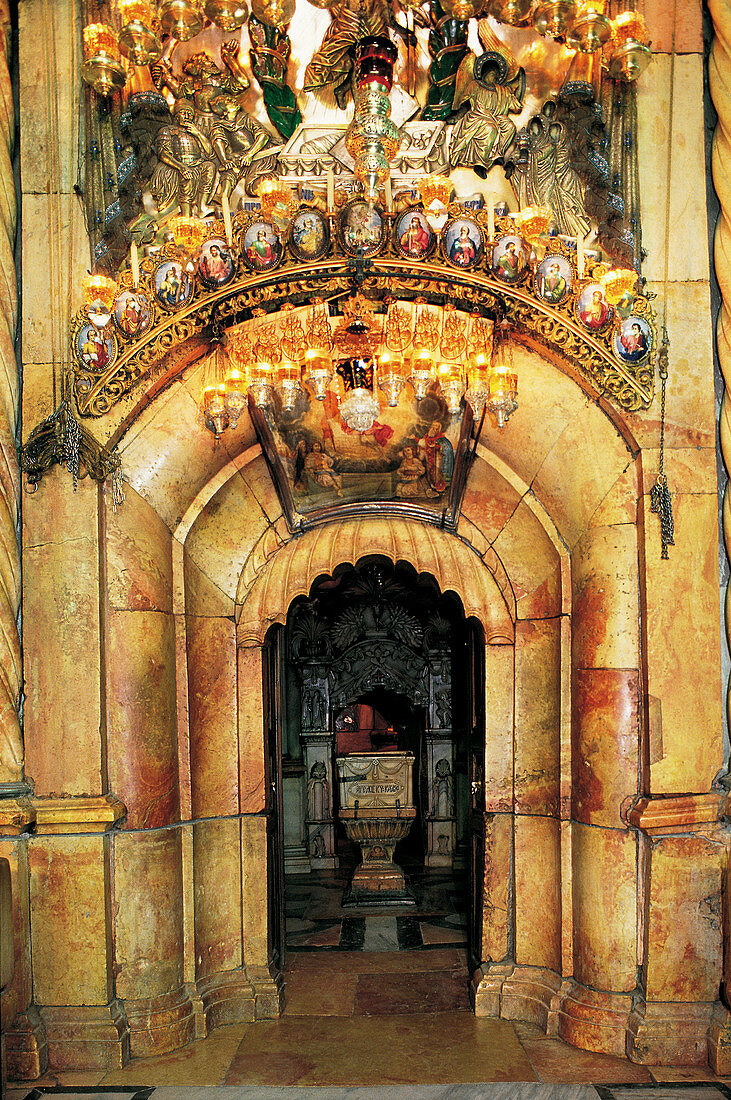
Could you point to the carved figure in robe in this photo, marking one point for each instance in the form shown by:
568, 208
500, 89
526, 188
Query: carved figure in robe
186, 170
202, 81
318, 794
238, 140
332, 65
494, 86
546, 176
484, 135
443, 790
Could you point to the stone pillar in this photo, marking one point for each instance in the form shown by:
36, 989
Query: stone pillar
319, 745
71, 933
492, 816
222, 982
684, 843
148, 939
294, 797
441, 821
592, 1010
256, 822
23, 1034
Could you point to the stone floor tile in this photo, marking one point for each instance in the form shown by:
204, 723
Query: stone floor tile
306, 994
439, 991
203, 1062
670, 1074
525, 1030
555, 1061
377, 962
435, 1049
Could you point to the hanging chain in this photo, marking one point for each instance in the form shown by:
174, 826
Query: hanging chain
660, 500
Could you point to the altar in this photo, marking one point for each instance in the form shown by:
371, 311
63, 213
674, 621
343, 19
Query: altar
377, 810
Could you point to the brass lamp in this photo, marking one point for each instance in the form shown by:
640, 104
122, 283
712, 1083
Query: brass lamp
99, 294
391, 379
102, 68
181, 19
591, 28
137, 39
628, 53
274, 13
229, 15
513, 12
617, 283
553, 18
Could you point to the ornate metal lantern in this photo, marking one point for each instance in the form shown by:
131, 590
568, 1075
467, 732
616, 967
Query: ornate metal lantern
102, 67
137, 38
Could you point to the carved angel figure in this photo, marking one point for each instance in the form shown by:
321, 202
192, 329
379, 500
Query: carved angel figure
202, 80
494, 85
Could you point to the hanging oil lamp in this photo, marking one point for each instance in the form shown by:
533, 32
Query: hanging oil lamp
372, 139
554, 18
228, 15
451, 383
502, 379
628, 52
238, 375
591, 28
215, 414
181, 19
391, 379
318, 371
102, 68
137, 38
513, 12
480, 352
99, 294
273, 13
617, 283
358, 408
264, 356
463, 9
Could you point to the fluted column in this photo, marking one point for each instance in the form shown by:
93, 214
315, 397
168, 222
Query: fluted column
11, 749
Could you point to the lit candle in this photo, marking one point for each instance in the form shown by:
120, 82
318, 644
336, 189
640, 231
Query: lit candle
389, 195
330, 189
226, 216
490, 217
580, 256
134, 261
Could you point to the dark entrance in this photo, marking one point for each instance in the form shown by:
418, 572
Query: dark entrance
377, 659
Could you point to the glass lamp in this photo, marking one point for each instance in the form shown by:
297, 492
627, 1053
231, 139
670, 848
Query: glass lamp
273, 13
99, 294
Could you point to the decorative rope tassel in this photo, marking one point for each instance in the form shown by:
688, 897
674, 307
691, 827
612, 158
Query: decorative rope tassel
660, 501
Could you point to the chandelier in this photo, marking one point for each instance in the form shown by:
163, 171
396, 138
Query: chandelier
366, 362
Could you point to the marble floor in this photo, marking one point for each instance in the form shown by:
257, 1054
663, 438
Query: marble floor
318, 921
383, 1025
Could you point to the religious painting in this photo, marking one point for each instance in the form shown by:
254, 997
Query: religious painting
412, 235
309, 235
132, 313
261, 246
216, 265
508, 259
360, 226
553, 280
462, 243
173, 286
592, 308
95, 350
407, 455
632, 341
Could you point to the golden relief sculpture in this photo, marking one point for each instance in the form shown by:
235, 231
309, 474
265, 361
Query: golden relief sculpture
332, 65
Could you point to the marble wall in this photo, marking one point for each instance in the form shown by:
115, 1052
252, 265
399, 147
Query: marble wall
604, 852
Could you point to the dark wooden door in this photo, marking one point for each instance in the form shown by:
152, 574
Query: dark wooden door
273, 697
476, 785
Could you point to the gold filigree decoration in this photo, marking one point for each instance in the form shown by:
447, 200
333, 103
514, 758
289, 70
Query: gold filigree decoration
97, 388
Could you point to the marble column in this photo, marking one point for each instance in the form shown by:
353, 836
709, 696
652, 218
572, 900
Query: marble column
71, 934
592, 1009
491, 817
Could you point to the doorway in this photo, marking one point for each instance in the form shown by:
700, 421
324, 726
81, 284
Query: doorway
378, 659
